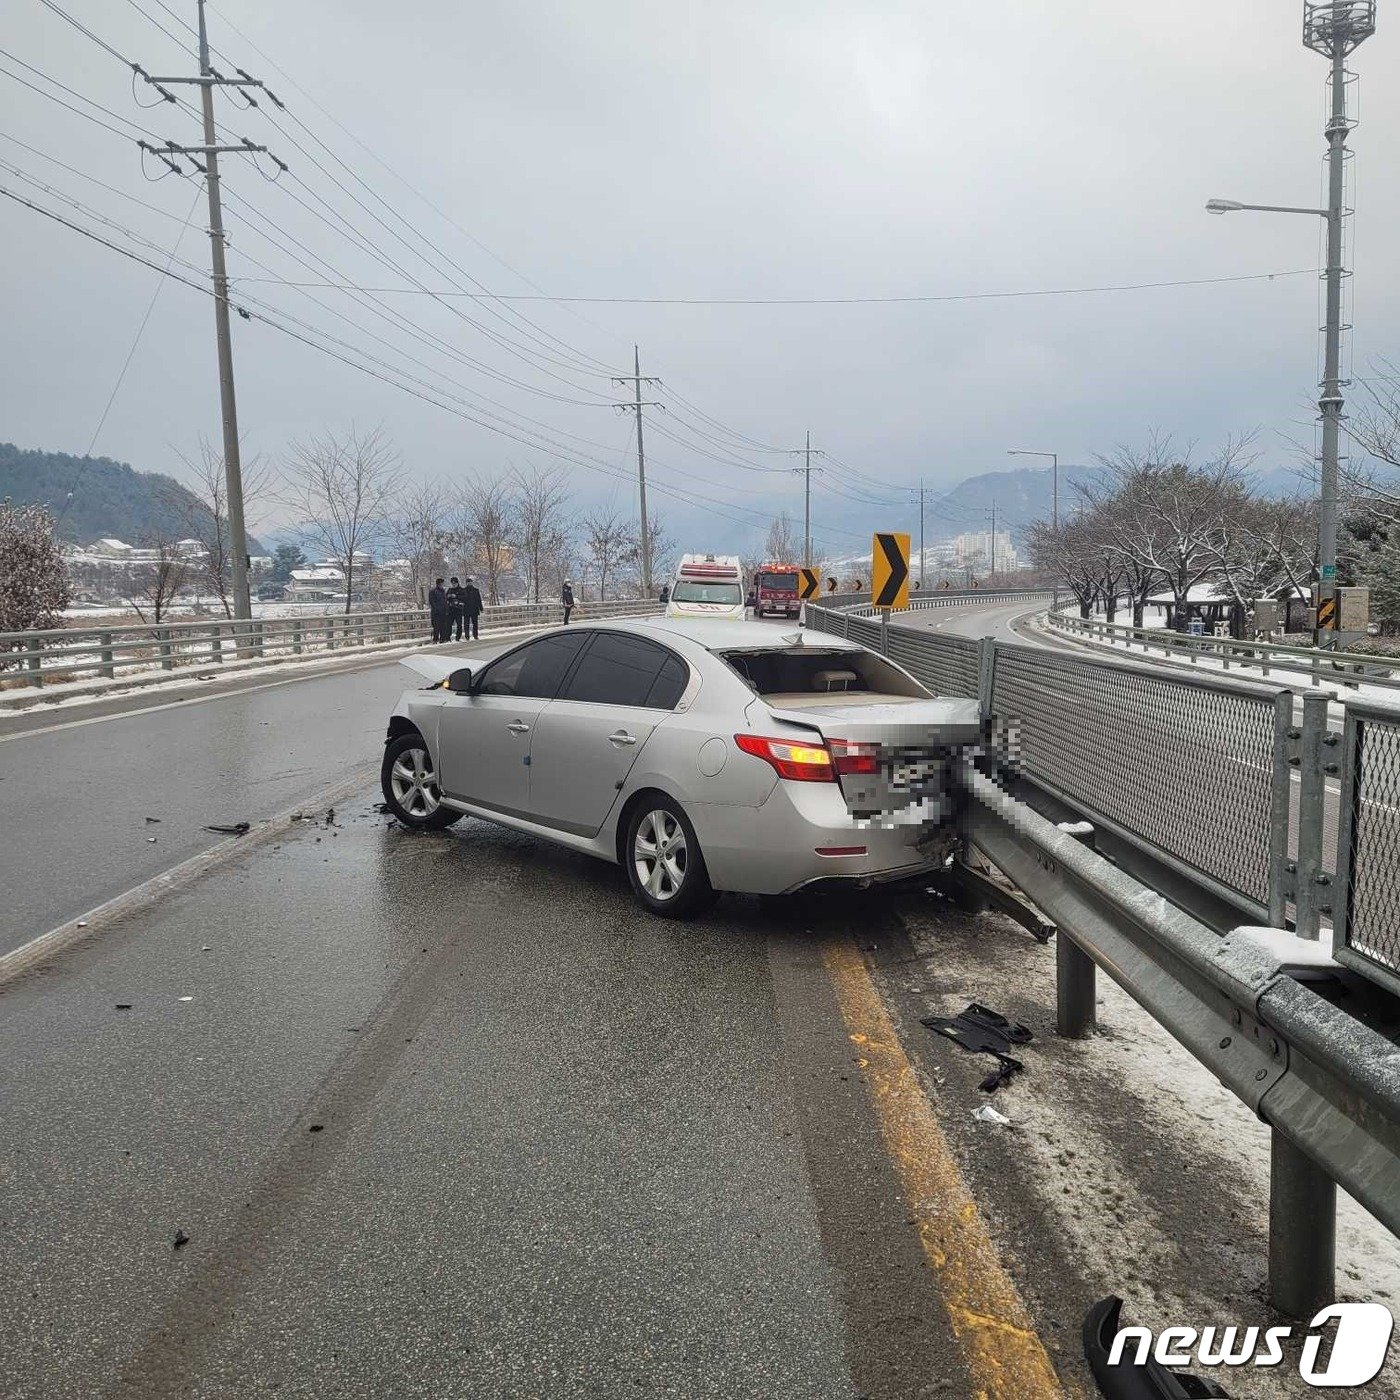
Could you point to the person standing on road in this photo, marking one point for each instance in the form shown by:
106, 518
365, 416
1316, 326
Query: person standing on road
566, 596
665, 594
471, 596
457, 609
437, 611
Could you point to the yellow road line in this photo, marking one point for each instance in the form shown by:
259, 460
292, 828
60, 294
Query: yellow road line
999, 1343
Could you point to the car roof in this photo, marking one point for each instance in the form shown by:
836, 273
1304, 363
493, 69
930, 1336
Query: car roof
726, 634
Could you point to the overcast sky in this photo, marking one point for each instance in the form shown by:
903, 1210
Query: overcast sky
769, 149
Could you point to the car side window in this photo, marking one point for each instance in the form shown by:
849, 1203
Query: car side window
618, 669
669, 685
534, 670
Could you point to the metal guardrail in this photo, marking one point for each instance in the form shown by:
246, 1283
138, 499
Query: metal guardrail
68, 653
1317, 666
1326, 1083
1214, 775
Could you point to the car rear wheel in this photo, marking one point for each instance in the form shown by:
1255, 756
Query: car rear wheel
410, 785
664, 864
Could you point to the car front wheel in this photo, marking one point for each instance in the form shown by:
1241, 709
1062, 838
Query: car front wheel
410, 785
664, 865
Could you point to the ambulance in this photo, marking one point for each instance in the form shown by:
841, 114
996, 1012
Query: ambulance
707, 585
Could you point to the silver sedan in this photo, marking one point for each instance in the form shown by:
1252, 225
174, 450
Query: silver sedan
700, 756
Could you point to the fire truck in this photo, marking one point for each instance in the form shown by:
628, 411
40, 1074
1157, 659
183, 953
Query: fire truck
775, 591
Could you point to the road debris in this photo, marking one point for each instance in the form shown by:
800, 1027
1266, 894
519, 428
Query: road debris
985, 1113
150, 840
984, 1031
153, 819
181, 1239
1128, 1380
234, 829
123, 1006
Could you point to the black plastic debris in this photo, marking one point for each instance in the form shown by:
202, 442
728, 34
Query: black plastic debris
123, 1006
181, 1239
234, 829
1127, 1380
984, 1031
153, 819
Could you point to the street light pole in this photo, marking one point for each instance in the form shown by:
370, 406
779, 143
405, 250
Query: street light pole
1055, 482
1332, 28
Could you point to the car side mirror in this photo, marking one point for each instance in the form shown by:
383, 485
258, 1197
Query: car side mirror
461, 680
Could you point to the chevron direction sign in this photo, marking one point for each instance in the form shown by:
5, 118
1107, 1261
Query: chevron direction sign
889, 571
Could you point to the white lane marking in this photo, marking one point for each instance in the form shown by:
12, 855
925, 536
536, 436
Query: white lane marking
46, 945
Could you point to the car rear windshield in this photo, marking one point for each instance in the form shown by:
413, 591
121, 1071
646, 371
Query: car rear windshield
808, 670
686, 591
778, 583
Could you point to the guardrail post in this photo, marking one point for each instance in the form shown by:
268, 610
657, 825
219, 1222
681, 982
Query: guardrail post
1312, 897
167, 662
1075, 973
36, 675
1302, 1231
296, 636
216, 644
359, 631
330, 633
885, 631
106, 668
1280, 803
258, 638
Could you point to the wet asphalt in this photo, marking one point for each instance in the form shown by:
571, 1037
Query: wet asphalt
76, 792
447, 1115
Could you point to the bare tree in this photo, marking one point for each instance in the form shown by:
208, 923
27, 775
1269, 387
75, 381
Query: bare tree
342, 490
541, 501
203, 509
780, 547
606, 540
482, 531
418, 529
157, 583
663, 553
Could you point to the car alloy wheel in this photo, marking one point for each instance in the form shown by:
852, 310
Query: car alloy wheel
414, 782
660, 854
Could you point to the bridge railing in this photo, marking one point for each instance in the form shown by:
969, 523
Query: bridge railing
71, 653
1317, 666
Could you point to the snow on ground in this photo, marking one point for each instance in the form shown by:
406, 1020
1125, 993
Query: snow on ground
1127, 1168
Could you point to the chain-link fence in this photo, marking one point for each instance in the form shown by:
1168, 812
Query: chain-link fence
1183, 764
1370, 839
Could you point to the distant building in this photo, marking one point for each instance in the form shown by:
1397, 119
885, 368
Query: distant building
975, 550
317, 583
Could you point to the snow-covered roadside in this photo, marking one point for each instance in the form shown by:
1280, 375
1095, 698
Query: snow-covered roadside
1127, 1167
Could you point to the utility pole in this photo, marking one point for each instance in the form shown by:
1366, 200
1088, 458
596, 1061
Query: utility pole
991, 578
636, 380
921, 534
807, 469
206, 159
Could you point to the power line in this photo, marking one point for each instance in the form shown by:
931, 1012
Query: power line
851, 301
126, 364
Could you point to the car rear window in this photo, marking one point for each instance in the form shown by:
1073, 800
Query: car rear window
808, 670
618, 669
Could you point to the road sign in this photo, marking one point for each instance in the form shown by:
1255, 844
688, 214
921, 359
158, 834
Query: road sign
1353, 609
1327, 613
889, 571
809, 583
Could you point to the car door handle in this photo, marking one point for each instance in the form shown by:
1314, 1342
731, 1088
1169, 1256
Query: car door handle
518, 726
620, 738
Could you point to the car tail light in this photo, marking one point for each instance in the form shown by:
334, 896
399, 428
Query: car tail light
854, 758
799, 763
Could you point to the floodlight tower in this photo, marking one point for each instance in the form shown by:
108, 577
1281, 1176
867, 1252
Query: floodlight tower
1334, 28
